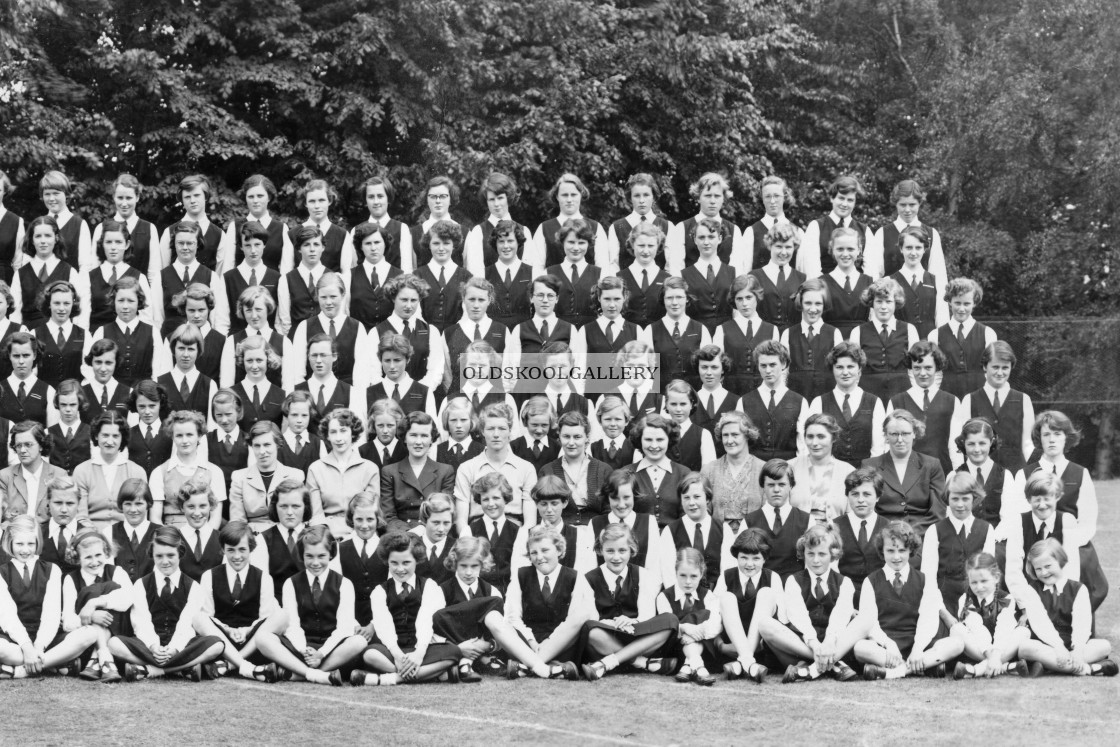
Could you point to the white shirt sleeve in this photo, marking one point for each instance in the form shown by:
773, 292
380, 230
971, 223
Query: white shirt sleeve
294, 633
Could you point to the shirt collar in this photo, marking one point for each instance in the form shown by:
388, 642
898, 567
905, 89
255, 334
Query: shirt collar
411, 581
175, 577
890, 573
467, 326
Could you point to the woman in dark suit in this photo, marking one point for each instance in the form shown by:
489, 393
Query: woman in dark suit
405, 484
917, 493
574, 431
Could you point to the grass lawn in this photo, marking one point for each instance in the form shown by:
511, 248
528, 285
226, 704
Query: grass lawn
624, 709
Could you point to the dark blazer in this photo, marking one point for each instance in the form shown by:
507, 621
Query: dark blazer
597, 474
402, 493
917, 497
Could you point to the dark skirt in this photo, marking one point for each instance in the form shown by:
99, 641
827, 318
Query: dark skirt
656, 624
121, 625
256, 658
436, 653
1092, 575
464, 621
194, 648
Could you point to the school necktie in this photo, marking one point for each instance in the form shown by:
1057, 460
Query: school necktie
925, 400
385, 456
252, 277
750, 590
777, 523
184, 390
962, 535
546, 591
612, 451
470, 593
365, 550
734, 524
544, 330
575, 273
198, 544
292, 542
236, 588
407, 330
43, 273
710, 275
559, 405
134, 541
862, 538
433, 556
642, 219
311, 285
773, 402
698, 539
333, 332
781, 276
509, 278
397, 392
846, 409
634, 404
645, 280
915, 284
62, 543
476, 403
610, 332
320, 402
897, 584
317, 591
493, 534
113, 275
537, 449
104, 397
148, 438
617, 587
995, 403
458, 451
256, 397
61, 339
477, 332
960, 335
165, 593
374, 281
299, 443
186, 277
847, 283
885, 335
676, 332
980, 475
442, 277
818, 590
687, 606
228, 444
407, 589
26, 575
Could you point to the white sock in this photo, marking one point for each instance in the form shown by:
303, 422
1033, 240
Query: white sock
610, 661
898, 672
318, 677
390, 679
246, 670
814, 671
640, 661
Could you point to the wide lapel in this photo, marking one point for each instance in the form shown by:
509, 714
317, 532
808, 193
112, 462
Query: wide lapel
913, 472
